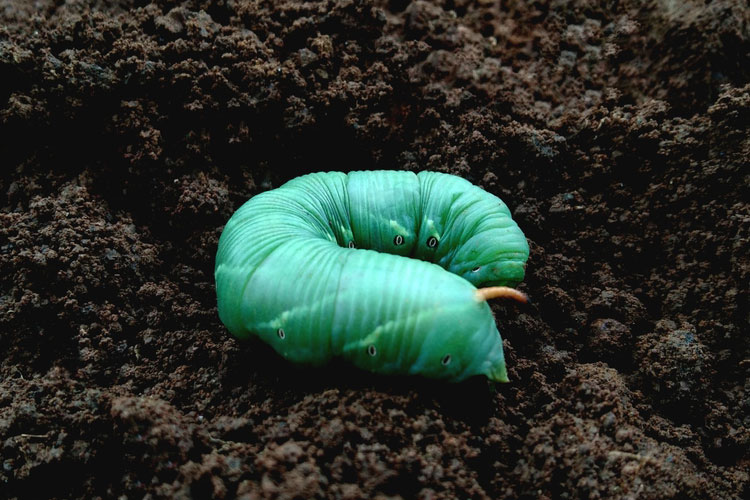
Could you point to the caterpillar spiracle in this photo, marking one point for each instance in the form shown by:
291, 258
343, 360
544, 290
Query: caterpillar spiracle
379, 268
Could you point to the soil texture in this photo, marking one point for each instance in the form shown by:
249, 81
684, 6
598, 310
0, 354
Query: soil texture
617, 132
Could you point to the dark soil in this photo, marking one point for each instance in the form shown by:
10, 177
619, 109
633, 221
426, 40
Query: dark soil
617, 131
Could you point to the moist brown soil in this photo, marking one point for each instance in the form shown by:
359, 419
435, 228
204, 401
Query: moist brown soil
617, 131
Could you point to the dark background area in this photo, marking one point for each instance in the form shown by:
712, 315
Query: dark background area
617, 132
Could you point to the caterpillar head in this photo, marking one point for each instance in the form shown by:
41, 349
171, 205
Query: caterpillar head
502, 269
492, 258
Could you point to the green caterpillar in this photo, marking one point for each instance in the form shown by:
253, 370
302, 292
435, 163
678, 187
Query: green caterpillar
379, 268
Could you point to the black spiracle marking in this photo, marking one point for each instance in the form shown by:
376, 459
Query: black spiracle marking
281, 334
351, 244
371, 350
446, 360
432, 242
398, 240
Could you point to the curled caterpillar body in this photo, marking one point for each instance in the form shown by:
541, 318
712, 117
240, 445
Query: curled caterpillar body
379, 268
